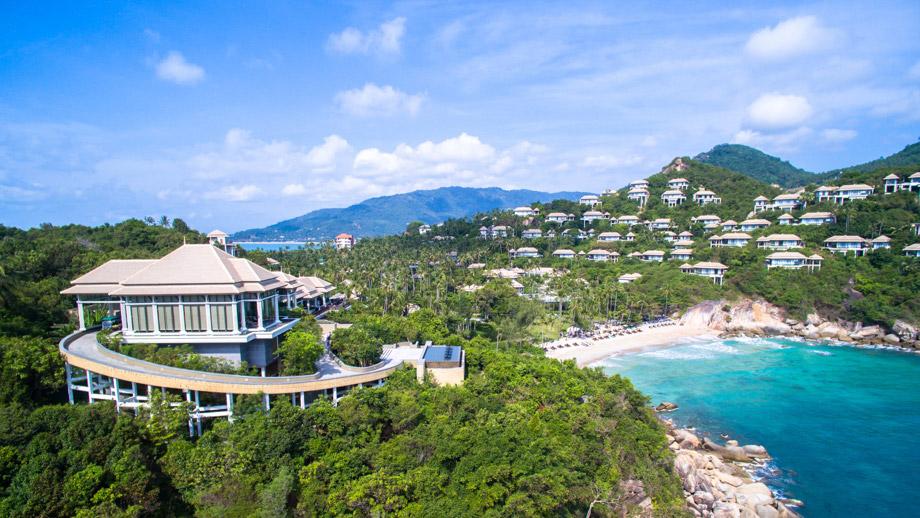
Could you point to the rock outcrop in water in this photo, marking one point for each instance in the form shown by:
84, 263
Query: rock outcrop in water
760, 318
715, 482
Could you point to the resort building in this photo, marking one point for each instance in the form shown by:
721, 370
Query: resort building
761, 203
219, 238
749, 225
344, 241
668, 235
518, 287
912, 183
525, 212
599, 254
681, 254
564, 253
589, 200
638, 195
627, 278
683, 243
628, 220
221, 305
499, 231
705, 197
729, 225
780, 242
825, 193
678, 183
881, 242
312, 294
559, 217
592, 215
817, 218
912, 250
916, 228
788, 202
686, 234
731, 239
785, 219
532, 233
673, 197
652, 256
629, 237
638, 184
424, 229
660, 224
715, 271
635, 255
846, 244
859, 191
525, 252
793, 260
892, 183
608, 237
707, 220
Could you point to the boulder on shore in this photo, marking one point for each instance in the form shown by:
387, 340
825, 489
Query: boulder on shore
666, 406
904, 330
892, 339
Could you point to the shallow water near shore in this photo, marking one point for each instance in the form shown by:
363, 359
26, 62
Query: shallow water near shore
841, 423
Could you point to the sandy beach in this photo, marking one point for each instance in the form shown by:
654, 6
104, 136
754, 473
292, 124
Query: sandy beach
650, 337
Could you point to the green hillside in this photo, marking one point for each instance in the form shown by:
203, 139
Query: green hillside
758, 165
908, 157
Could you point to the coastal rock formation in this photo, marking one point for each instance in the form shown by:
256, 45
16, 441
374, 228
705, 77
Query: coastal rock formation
715, 484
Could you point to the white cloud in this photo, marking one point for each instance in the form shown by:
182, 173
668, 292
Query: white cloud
774, 142
293, 189
176, 69
386, 39
838, 135
235, 193
242, 153
609, 161
373, 100
778, 111
789, 38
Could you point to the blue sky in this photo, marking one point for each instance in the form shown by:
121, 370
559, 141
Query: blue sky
237, 115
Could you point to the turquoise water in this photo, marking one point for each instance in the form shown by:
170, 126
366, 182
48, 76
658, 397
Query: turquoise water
271, 247
841, 423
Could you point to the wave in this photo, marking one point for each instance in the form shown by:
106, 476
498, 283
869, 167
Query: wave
695, 350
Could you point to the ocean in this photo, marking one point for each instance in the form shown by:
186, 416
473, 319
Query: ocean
272, 246
840, 422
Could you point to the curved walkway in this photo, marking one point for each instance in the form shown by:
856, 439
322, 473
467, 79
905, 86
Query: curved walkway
83, 350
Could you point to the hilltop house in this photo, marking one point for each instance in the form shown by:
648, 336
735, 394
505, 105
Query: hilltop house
652, 256
761, 203
780, 242
608, 237
715, 271
824, 193
599, 254
589, 200
593, 215
678, 183
532, 233
673, 198
525, 212
732, 239
344, 241
892, 183
638, 195
564, 253
525, 252
859, 191
817, 218
681, 254
424, 229
638, 184
627, 278
221, 305
793, 260
750, 225
881, 242
559, 217
705, 197
847, 244
912, 250
785, 219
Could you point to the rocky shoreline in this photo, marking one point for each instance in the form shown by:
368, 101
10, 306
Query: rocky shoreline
759, 318
717, 479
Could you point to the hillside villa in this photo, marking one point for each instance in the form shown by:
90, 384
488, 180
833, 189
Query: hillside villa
630, 236
732, 239
788, 202
844, 193
681, 254
599, 254
532, 233
729, 225
881, 242
749, 225
780, 242
593, 215
761, 203
793, 260
608, 237
785, 219
525, 252
673, 198
638, 195
892, 183
678, 183
559, 217
660, 224
912, 250
817, 218
589, 200
705, 197
715, 271
628, 220
638, 184
564, 253
494, 232
525, 212
652, 256
709, 221
627, 278
846, 244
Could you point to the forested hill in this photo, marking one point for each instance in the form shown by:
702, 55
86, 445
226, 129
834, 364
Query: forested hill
390, 214
907, 157
759, 165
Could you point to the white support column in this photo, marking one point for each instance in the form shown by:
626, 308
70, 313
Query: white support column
117, 392
335, 396
259, 327
293, 399
198, 412
267, 402
230, 407
191, 427
236, 315
277, 312
181, 314
243, 311
69, 373
303, 400
89, 385
80, 317
156, 316
207, 313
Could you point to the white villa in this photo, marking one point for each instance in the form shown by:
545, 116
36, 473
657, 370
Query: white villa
589, 200
559, 217
705, 196
630, 237
599, 254
525, 252
731, 239
847, 244
845, 193
761, 203
639, 195
912, 250
686, 234
683, 243
628, 220
218, 238
525, 212
681, 254
652, 256
593, 215
881, 242
789, 202
678, 183
715, 271
668, 235
749, 225
564, 253
708, 221
893, 183
786, 219
660, 224
729, 225
424, 229
627, 278
199, 295
673, 197
780, 242
638, 184
344, 241
817, 218
607, 237
532, 233
494, 232
824, 193
916, 228
793, 260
